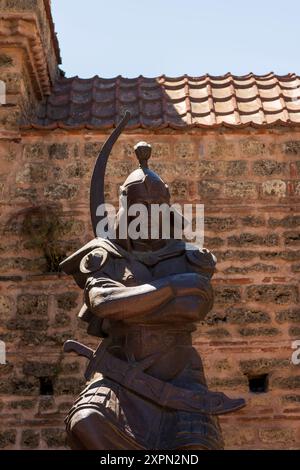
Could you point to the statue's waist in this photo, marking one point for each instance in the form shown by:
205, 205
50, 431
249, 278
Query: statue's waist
147, 340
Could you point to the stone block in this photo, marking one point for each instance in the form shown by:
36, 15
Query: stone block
292, 147
6, 306
208, 168
30, 439
68, 386
184, 150
294, 331
209, 189
240, 189
236, 168
259, 331
29, 194
245, 315
295, 268
92, 149
22, 404
34, 152
258, 267
58, 151
6, 61
291, 398
231, 255
218, 333
40, 369
286, 383
292, 238
32, 173
268, 168
33, 305
219, 224
262, 366
160, 150
59, 191
78, 170
288, 315
220, 148
26, 386
272, 293
290, 221
274, 188
227, 295
21, 323
228, 382
54, 437
252, 239
276, 435
179, 190
7, 438
252, 147
67, 300
239, 437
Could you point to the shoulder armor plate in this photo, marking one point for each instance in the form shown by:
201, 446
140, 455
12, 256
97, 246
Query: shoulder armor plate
93, 261
203, 259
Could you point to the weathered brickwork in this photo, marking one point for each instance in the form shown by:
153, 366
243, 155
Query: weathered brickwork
249, 181
255, 237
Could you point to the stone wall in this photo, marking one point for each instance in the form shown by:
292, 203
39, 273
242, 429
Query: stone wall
29, 57
249, 181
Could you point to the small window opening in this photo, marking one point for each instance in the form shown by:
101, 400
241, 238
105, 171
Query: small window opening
46, 386
259, 383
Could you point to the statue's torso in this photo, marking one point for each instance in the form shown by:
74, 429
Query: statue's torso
164, 334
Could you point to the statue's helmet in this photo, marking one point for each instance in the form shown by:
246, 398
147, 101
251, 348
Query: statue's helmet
144, 185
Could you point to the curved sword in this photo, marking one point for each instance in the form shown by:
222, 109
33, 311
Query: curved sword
97, 181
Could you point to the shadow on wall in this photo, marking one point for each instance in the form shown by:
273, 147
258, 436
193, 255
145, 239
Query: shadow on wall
40, 229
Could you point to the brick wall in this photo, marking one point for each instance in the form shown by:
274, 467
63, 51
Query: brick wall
249, 181
29, 57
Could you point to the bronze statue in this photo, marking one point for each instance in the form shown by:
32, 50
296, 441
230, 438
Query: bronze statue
146, 387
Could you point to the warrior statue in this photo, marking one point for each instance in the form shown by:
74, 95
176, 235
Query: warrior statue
145, 383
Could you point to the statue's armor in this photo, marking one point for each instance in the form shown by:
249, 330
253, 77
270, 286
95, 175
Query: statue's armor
164, 336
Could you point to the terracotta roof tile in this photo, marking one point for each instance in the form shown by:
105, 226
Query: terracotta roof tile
181, 102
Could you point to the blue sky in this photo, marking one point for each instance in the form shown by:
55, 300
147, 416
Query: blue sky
174, 37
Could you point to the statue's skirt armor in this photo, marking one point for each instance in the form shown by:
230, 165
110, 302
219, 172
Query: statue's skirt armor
138, 419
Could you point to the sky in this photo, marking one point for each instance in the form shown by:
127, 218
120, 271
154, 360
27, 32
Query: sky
176, 37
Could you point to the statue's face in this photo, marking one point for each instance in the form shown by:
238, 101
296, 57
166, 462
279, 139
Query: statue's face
150, 197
